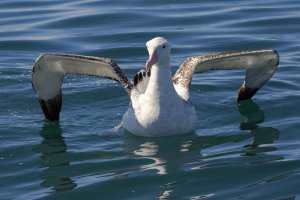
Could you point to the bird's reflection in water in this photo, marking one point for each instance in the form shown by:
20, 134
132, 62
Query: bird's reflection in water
170, 154
251, 117
167, 153
53, 151
150, 150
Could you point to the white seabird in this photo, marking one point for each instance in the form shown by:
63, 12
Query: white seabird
160, 103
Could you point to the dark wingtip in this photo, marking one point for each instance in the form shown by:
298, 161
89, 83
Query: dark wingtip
52, 107
246, 93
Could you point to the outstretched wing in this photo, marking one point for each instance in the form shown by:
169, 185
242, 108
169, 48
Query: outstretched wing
260, 65
50, 69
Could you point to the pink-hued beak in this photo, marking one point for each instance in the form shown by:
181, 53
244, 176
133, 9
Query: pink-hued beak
152, 59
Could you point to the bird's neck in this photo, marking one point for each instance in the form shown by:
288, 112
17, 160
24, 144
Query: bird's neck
160, 83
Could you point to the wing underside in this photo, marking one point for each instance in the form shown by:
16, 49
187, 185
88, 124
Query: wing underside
50, 69
259, 66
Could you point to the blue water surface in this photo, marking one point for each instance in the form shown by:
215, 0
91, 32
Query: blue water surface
249, 150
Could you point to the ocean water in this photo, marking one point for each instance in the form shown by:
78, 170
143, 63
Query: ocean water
249, 150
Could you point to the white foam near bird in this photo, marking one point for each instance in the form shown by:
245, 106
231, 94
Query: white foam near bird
160, 103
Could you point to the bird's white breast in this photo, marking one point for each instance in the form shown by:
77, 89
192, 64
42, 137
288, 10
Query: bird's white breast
169, 117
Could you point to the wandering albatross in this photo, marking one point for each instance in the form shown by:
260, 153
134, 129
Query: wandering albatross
160, 103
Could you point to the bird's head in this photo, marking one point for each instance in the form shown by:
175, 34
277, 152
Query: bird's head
159, 53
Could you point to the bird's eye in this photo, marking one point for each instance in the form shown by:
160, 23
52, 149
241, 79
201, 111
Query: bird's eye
164, 46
